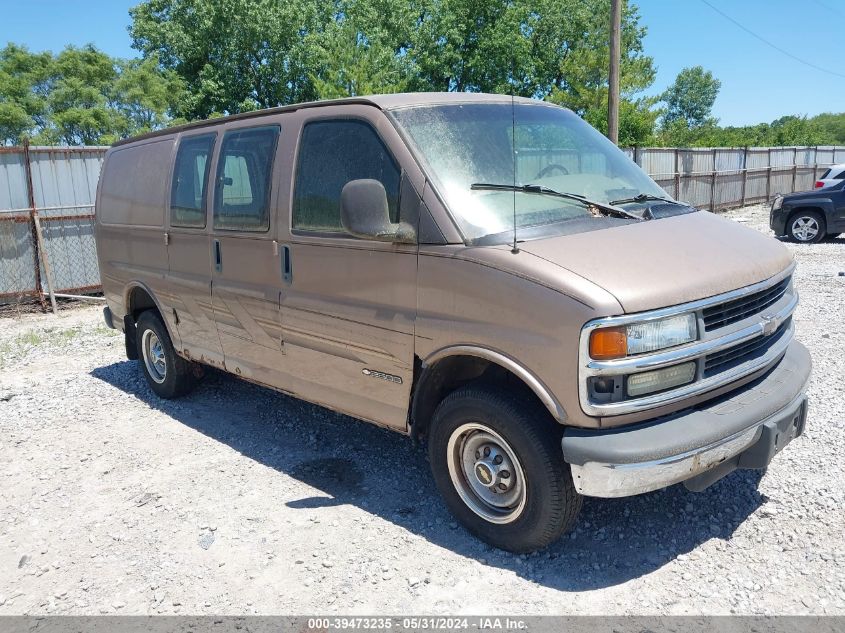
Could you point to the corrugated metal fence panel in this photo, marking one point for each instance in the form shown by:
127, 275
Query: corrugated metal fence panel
65, 187
17, 255
730, 159
12, 182
657, 161
781, 156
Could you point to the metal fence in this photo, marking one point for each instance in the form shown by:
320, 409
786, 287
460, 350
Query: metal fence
47, 221
47, 201
723, 178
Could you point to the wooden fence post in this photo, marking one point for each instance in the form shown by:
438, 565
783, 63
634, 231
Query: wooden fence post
744, 175
713, 183
30, 194
45, 258
794, 166
769, 174
677, 175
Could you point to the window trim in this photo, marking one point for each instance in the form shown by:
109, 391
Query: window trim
268, 191
206, 176
335, 235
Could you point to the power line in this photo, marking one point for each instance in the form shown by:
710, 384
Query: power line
828, 7
774, 46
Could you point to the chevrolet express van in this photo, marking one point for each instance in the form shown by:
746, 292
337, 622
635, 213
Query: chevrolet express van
487, 273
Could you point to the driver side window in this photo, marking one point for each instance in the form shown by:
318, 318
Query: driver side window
332, 153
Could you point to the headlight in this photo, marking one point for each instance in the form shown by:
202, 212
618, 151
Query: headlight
637, 338
778, 203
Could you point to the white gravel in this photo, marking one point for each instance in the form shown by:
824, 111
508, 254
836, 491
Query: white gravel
237, 499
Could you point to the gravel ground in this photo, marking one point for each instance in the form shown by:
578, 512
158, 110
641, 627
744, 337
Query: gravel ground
241, 500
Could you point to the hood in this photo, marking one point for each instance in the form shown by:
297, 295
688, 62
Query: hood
659, 263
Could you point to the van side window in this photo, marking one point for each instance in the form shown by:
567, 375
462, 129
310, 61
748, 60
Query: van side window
190, 175
242, 185
331, 154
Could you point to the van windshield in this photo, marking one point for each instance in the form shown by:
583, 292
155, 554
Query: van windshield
519, 144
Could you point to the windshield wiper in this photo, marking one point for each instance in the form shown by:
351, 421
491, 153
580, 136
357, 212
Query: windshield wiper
607, 209
646, 197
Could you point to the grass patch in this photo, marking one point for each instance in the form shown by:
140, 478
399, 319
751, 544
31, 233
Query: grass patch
28, 339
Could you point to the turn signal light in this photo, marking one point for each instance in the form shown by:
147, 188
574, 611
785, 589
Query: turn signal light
608, 343
819, 184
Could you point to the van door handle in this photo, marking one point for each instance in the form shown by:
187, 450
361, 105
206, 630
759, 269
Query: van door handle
287, 269
218, 258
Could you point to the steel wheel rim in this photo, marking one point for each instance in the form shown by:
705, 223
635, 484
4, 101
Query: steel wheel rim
503, 500
805, 228
154, 359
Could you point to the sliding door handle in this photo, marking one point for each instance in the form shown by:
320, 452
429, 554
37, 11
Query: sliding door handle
287, 269
218, 257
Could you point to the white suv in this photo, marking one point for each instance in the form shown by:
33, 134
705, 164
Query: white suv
833, 176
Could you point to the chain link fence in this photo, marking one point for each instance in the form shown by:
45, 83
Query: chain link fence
47, 202
47, 223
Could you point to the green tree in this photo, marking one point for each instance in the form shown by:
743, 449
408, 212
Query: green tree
691, 97
24, 86
245, 54
145, 95
832, 127
78, 101
82, 96
636, 121
360, 50
236, 55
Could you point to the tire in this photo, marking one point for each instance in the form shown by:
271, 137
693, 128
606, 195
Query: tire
520, 432
806, 227
168, 374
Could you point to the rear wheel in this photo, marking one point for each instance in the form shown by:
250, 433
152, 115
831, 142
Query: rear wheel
497, 461
806, 227
168, 374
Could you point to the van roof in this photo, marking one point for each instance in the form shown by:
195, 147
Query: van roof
382, 101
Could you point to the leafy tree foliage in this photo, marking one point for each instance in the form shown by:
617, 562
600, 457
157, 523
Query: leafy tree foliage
244, 54
81, 96
24, 87
788, 130
832, 126
691, 97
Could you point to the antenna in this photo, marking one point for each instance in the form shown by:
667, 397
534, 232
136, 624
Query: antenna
515, 248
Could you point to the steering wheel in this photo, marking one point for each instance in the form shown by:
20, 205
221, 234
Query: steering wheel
550, 168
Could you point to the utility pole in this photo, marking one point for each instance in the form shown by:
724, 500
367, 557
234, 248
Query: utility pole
613, 88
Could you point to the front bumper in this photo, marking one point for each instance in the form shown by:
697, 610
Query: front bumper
744, 429
777, 221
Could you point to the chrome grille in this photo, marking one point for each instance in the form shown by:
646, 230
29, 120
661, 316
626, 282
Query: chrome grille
735, 339
735, 356
723, 314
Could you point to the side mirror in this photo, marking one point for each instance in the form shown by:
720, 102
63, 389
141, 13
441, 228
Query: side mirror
364, 213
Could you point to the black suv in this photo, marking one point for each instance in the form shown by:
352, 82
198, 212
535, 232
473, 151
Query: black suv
810, 216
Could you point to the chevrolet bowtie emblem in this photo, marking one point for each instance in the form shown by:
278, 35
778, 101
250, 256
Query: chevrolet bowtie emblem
770, 325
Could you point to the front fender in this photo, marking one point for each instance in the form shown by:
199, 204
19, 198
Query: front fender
535, 384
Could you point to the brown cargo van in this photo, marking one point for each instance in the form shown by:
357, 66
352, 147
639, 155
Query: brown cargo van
487, 273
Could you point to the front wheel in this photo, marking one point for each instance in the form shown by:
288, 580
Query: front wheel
497, 461
807, 227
